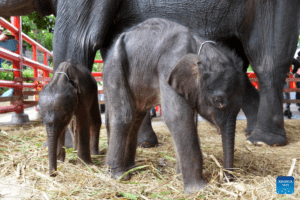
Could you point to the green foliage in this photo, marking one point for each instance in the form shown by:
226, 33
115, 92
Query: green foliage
9, 76
28, 73
39, 28
43, 23
250, 69
6, 75
97, 67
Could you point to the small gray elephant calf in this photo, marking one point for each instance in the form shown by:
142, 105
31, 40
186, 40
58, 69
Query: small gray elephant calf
72, 91
156, 62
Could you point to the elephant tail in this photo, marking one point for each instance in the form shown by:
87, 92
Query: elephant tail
116, 80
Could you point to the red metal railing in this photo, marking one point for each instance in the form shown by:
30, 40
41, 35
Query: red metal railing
17, 100
292, 85
39, 79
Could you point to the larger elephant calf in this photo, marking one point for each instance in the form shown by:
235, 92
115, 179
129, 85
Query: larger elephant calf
156, 62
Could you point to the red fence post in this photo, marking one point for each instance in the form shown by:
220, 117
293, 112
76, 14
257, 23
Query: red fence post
35, 72
19, 116
18, 104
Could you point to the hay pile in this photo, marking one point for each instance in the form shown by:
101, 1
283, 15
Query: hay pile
24, 168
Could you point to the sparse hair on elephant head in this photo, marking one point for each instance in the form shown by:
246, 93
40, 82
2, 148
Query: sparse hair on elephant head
61, 96
213, 84
69, 68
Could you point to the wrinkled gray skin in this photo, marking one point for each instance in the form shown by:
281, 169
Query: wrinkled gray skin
72, 92
263, 33
154, 63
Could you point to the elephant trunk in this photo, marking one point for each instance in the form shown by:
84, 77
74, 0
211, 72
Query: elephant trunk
52, 149
17, 7
228, 135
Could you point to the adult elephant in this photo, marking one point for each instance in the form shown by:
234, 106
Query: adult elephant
263, 33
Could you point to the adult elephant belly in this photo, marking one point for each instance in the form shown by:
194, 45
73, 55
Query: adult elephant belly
263, 33
206, 18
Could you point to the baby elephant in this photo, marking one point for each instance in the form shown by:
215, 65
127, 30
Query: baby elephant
156, 62
72, 91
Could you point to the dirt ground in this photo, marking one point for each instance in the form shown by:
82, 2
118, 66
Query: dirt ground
24, 168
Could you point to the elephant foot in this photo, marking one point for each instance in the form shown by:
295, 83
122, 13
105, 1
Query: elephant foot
288, 113
95, 152
85, 161
116, 173
260, 137
146, 136
194, 187
147, 140
251, 124
61, 155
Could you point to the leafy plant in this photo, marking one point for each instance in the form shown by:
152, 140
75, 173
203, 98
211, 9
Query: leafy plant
6, 75
97, 67
250, 69
39, 28
9, 76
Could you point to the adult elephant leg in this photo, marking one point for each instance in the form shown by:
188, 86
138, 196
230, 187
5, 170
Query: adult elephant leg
251, 96
270, 125
146, 136
250, 106
81, 30
270, 52
68, 138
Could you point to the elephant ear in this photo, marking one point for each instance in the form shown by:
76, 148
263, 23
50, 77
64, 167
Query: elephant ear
185, 77
75, 83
